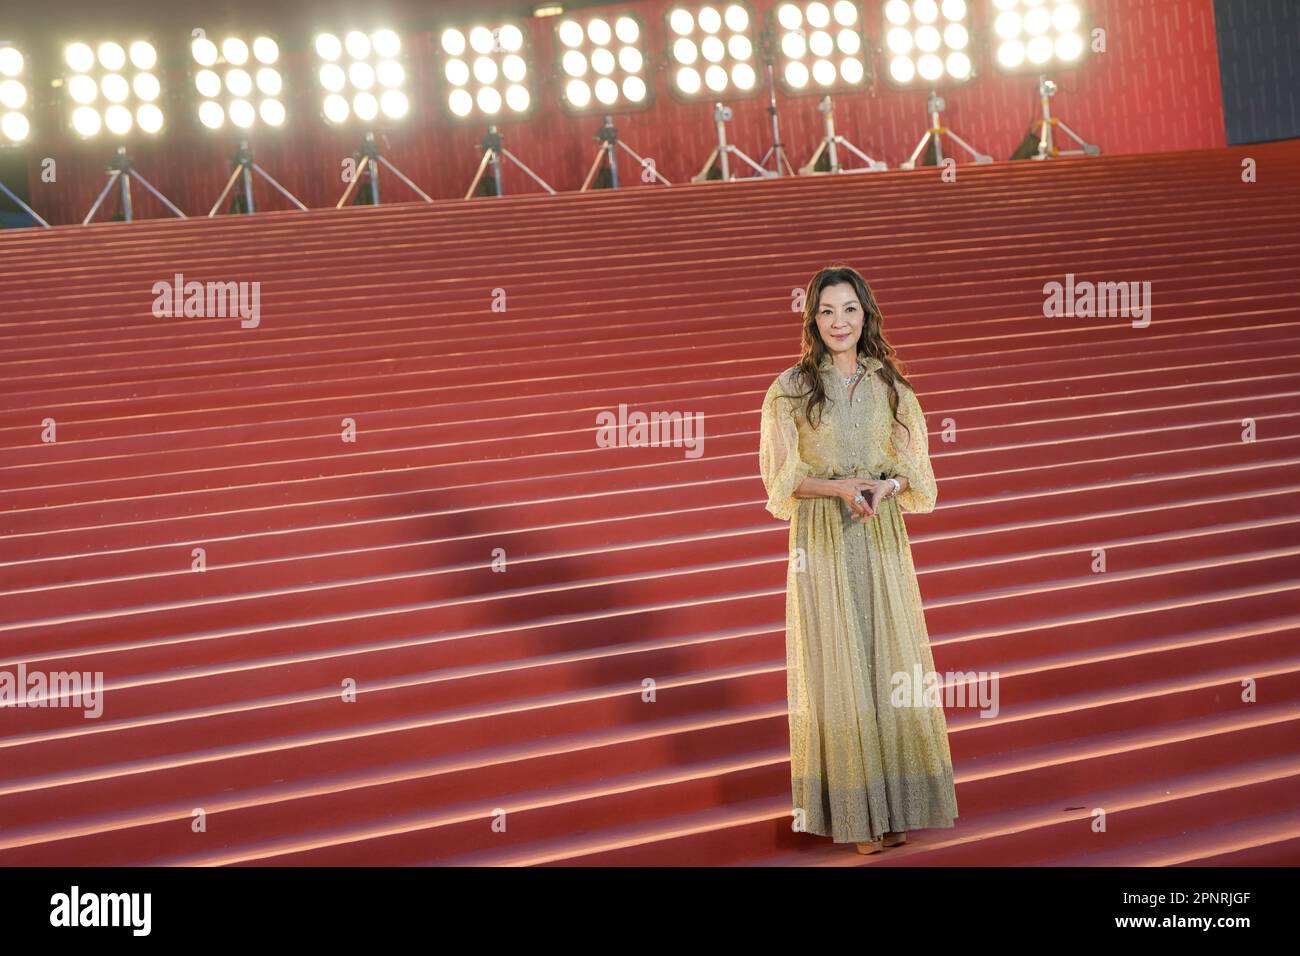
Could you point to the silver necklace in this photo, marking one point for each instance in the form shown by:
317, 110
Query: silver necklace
852, 378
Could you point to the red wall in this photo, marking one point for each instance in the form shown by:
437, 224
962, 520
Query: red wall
1156, 88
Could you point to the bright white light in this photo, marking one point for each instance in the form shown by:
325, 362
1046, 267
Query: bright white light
390, 73
238, 86
269, 81
481, 40
570, 33
11, 61
204, 50
461, 102
517, 98
82, 89
634, 88
513, 68
627, 30
239, 83
357, 44
333, 78
394, 104
266, 50
115, 88
453, 42
272, 112
489, 100
80, 58
113, 58
358, 80
235, 51
146, 87
736, 18
86, 121
599, 32
926, 41
118, 120
242, 113
815, 32
143, 55
336, 108
149, 118
1037, 34
577, 94
328, 47
366, 106
13, 95
211, 114
361, 75
15, 127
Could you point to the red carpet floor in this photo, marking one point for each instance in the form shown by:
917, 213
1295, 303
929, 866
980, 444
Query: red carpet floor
481, 691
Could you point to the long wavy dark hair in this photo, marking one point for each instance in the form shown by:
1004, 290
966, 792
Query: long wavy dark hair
871, 343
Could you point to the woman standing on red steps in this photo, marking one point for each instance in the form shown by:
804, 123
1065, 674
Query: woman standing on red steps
843, 452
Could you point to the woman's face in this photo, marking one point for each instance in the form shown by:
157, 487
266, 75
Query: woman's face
839, 318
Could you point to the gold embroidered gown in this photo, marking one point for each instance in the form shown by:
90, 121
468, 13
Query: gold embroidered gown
866, 758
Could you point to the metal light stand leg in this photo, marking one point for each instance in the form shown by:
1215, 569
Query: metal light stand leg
830, 141
492, 152
22, 205
370, 160
934, 106
607, 136
1046, 148
777, 149
121, 173
244, 168
723, 151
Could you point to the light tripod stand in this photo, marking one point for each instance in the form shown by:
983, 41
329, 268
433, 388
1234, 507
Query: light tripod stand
935, 105
722, 153
776, 150
832, 140
368, 160
493, 150
13, 197
1046, 148
607, 151
120, 173
243, 173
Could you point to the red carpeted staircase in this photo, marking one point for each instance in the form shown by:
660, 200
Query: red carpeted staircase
522, 696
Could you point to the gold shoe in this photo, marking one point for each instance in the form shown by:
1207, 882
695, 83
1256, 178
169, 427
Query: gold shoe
894, 839
875, 846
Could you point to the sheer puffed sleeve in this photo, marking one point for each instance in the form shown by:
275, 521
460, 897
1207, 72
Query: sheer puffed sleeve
778, 449
911, 456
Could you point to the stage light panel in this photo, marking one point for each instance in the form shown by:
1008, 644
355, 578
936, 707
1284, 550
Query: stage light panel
486, 71
927, 42
15, 126
239, 83
362, 78
1038, 36
819, 47
602, 63
711, 50
113, 89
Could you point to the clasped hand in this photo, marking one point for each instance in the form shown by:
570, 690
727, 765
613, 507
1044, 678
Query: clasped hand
872, 491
